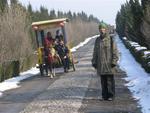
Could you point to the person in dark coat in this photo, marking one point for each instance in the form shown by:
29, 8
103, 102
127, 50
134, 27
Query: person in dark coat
59, 36
63, 52
104, 61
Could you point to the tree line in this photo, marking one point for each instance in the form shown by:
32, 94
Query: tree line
133, 21
43, 13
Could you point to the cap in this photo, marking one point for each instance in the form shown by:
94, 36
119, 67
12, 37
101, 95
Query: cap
102, 25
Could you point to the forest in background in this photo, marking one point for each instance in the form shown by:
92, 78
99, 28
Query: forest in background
133, 21
17, 40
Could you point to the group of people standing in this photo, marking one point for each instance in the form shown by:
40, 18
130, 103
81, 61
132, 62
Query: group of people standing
55, 48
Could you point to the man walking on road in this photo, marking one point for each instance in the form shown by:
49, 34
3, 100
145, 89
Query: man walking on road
104, 61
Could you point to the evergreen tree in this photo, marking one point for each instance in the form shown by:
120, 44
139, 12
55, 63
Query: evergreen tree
119, 25
29, 7
90, 18
69, 15
59, 14
3, 3
145, 3
137, 12
129, 20
44, 15
84, 16
52, 14
14, 1
74, 15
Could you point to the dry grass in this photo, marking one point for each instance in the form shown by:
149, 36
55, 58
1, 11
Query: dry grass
77, 30
14, 36
15, 42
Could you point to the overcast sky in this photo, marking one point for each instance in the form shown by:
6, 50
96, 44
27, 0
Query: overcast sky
102, 9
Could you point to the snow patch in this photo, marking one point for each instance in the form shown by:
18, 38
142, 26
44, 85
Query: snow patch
140, 48
146, 52
125, 38
133, 43
1, 94
138, 79
83, 43
14, 82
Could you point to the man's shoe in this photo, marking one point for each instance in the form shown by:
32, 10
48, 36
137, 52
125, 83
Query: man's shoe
51, 75
66, 71
103, 99
110, 99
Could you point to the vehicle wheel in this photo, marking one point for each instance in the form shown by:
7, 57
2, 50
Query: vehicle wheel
41, 70
73, 66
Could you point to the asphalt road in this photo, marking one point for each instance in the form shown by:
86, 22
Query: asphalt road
73, 92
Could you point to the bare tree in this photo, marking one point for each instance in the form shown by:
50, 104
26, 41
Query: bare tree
78, 30
15, 42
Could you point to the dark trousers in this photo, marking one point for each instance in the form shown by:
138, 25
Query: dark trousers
48, 66
43, 67
66, 63
108, 86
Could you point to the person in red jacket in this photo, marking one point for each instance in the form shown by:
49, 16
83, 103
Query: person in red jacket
48, 45
48, 41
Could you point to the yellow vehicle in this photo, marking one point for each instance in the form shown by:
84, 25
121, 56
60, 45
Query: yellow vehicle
40, 29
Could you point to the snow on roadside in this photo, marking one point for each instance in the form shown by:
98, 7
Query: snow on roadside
14, 82
83, 43
138, 79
